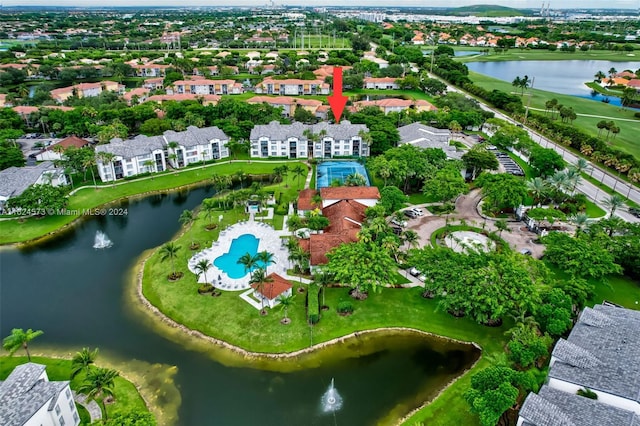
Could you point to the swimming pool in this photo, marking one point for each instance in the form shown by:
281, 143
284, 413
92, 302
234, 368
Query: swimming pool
228, 262
328, 171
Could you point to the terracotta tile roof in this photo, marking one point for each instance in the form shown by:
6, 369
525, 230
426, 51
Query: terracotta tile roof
272, 290
350, 193
183, 97
304, 199
321, 244
327, 70
380, 80
635, 82
138, 91
344, 215
308, 102
278, 100
25, 110
70, 141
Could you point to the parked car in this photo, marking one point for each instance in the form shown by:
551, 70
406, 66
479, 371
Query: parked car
635, 212
525, 251
396, 230
410, 213
418, 211
401, 224
422, 278
413, 271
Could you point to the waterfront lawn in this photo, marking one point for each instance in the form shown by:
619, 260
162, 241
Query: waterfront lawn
625, 140
547, 55
127, 398
14, 231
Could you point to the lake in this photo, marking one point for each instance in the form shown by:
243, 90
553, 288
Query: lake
566, 77
75, 294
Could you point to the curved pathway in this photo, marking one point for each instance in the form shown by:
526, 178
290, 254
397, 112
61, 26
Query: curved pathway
91, 406
516, 235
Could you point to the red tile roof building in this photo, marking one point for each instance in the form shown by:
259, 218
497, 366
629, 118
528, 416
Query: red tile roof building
274, 289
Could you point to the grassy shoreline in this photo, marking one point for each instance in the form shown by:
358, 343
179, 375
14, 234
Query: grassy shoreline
14, 231
517, 54
595, 111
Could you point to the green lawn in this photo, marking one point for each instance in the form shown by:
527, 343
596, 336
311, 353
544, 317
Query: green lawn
420, 198
14, 231
127, 398
546, 55
625, 140
407, 94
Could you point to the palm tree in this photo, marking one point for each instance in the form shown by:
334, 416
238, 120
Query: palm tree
410, 237
20, 339
516, 82
106, 158
266, 258
88, 163
82, 361
581, 221
537, 187
148, 164
260, 278
170, 251
249, 262
202, 267
501, 224
599, 76
323, 280
186, 217
99, 385
286, 301
299, 171
614, 202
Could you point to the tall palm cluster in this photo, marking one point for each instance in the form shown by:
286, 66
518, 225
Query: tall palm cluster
377, 231
98, 383
558, 187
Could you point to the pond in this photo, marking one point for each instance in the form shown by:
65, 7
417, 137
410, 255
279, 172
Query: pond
566, 77
76, 295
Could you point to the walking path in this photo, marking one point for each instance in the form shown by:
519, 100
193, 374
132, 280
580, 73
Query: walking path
307, 182
91, 406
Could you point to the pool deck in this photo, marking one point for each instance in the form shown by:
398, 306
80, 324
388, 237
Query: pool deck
270, 240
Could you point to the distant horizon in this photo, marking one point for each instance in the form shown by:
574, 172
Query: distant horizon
449, 4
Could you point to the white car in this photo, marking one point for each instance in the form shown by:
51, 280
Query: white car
418, 211
413, 271
402, 224
422, 278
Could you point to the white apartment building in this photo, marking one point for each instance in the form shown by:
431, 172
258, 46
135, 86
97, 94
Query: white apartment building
195, 145
292, 141
142, 154
28, 398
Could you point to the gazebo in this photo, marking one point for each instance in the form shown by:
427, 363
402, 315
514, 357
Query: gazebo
272, 290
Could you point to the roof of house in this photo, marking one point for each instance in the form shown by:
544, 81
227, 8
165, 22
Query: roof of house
24, 393
422, 136
277, 100
350, 193
291, 81
138, 91
318, 245
140, 145
602, 352
344, 215
634, 82
380, 80
553, 407
14, 180
305, 199
271, 290
194, 136
183, 97
69, 141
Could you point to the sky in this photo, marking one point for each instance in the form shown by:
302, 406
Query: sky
535, 4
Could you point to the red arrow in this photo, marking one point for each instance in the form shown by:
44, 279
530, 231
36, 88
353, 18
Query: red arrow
337, 100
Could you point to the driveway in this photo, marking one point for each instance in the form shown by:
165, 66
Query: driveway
517, 235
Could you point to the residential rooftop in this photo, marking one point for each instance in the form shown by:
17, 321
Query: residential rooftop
15, 180
602, 352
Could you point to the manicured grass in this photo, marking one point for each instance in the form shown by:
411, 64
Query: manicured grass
593, 210
408, 94
13, 231
398, 278
625, 140
420, 198
85, 417
127, 398
547, 55
278, 221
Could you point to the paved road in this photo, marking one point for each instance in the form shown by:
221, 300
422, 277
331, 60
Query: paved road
587, 188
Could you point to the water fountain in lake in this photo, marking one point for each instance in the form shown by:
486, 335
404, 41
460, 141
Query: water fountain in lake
101, 241
331, 400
